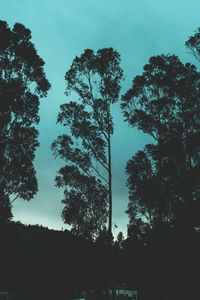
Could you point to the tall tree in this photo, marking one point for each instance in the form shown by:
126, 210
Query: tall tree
95, 79
163, 179
22, 83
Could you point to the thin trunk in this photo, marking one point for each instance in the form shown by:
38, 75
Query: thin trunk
160, 138
109, 184
110, 199
109, 171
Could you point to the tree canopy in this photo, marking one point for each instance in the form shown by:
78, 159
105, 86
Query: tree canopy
22, 83
164, 178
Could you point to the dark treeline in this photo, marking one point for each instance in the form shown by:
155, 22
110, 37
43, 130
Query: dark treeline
160, 257
38, 263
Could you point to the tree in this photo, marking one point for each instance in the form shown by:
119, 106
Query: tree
85, 203
22, 83
95, 79
120, 240
164, 178
152, 195
193, 44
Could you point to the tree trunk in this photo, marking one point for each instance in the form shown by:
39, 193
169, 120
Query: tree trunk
109, 185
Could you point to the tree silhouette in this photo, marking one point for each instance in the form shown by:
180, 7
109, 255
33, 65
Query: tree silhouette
193, 44
120, 240
22, 83
95, 79
164, 178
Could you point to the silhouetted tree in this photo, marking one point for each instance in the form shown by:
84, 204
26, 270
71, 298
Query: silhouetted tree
193, 44
120, 240
164, 178
5, 208
95, 79
105, 238
22, 83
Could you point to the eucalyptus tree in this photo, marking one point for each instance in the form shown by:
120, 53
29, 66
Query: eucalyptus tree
22, 83
193, 44
164, 102
94, 81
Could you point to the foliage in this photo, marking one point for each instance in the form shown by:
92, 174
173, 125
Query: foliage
105, 238
22, 82
86, 146
5, 208
85, 202
120, 240
163, 179
193, 44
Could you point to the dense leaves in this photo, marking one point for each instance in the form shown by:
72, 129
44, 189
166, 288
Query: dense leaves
22, 83
85, 202
164, 178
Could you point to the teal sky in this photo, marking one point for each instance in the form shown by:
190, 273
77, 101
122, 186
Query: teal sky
62, 29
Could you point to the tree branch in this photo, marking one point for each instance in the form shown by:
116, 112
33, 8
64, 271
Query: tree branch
99, 174
100, 126
93, 151
13, 199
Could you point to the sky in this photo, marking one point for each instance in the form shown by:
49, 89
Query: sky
63, 29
